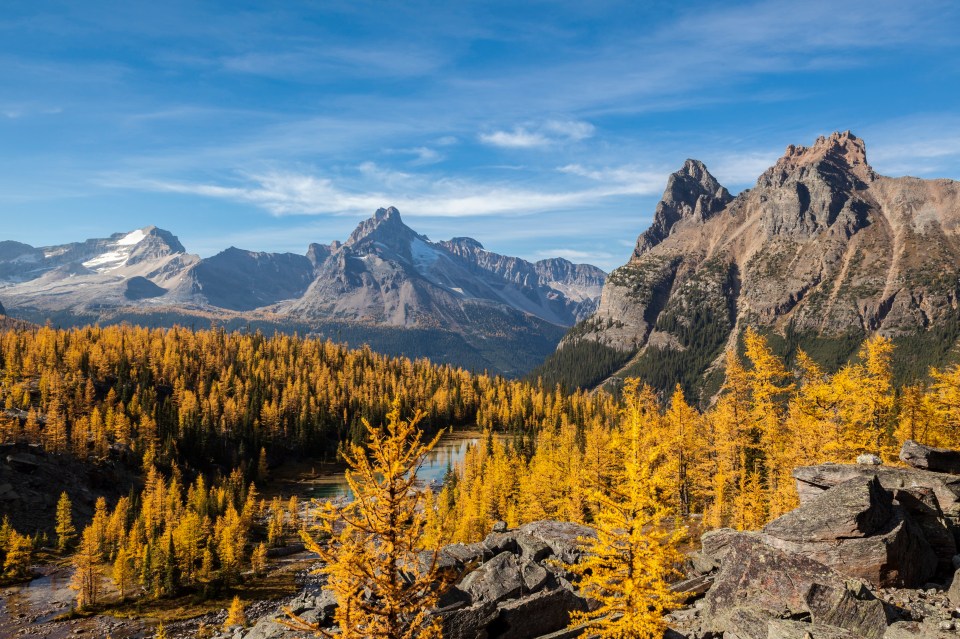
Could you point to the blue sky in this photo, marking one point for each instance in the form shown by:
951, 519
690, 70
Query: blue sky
539, 128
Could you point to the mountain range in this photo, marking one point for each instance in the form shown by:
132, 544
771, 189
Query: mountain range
386, 285
821, 253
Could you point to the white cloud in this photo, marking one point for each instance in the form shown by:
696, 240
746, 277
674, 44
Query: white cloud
291, 193
549, 133
519, 138
570, 129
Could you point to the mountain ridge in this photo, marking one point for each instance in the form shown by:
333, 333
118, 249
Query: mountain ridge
384, 276
819, 254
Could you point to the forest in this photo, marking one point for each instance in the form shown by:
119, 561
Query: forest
203, 416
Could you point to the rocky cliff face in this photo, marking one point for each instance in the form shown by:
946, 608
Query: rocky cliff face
388, 274
821, 252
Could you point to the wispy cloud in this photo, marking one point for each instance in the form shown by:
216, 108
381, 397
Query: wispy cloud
549, 133
290, 193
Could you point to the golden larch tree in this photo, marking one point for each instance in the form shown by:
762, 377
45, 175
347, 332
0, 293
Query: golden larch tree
628, 565
385, 581
65, 529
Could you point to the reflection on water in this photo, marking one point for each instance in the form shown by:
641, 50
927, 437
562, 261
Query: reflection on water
448, 452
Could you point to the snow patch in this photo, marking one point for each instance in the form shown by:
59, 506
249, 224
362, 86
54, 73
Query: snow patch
132, 238
107, 261
423, 254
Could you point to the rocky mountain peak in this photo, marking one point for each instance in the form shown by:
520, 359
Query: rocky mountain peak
840, 152
691, 193
385, 221
466, 242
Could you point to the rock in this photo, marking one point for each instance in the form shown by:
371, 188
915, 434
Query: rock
699, 563
941, 460
788, 629
869, 460
693, 587
503, 577
535, 615
855, 527
470, 622
467, 554
897, 555
500, 526
922, 506
852, 607
748, 623
777, 582
23, 462
954, 591
532, 548
812, 481
716, 543
563, 538
856, 508
926, 629
497, 543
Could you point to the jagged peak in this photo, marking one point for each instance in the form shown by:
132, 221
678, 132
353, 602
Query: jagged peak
465, 242
383, 218
843, 149
692, 192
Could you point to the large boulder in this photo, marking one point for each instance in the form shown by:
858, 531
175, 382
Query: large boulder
941, 460
813, 481
856, 508
855, 527
312, 605
565, 539
789, 629
535, 615
506, 576
784, 584
922, 506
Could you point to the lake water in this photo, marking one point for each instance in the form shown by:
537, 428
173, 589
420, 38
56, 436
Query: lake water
448, 452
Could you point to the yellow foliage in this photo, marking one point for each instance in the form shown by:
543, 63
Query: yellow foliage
376, 541
628, 565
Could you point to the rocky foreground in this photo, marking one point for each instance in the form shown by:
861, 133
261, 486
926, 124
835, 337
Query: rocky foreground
871, 553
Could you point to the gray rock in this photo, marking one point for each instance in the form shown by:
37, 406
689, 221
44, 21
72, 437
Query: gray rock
855, 527
500, 526
535, 615
779, 583
923, 508
942, 460
534, 576
748, 623
852, 607
856, 508
812, 481
497, 543
563, 538
787, 629
869, 460
699, 563
498, 579
532, 548
716, 543
954, 591
470, 622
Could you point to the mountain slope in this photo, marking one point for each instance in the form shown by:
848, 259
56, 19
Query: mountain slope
819, 254
386, 285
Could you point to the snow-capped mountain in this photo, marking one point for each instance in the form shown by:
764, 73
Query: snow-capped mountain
385, 277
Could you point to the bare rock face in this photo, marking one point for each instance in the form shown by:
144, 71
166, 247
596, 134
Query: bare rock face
939, 460
855, 527
821, 248
857, 508
784, 584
